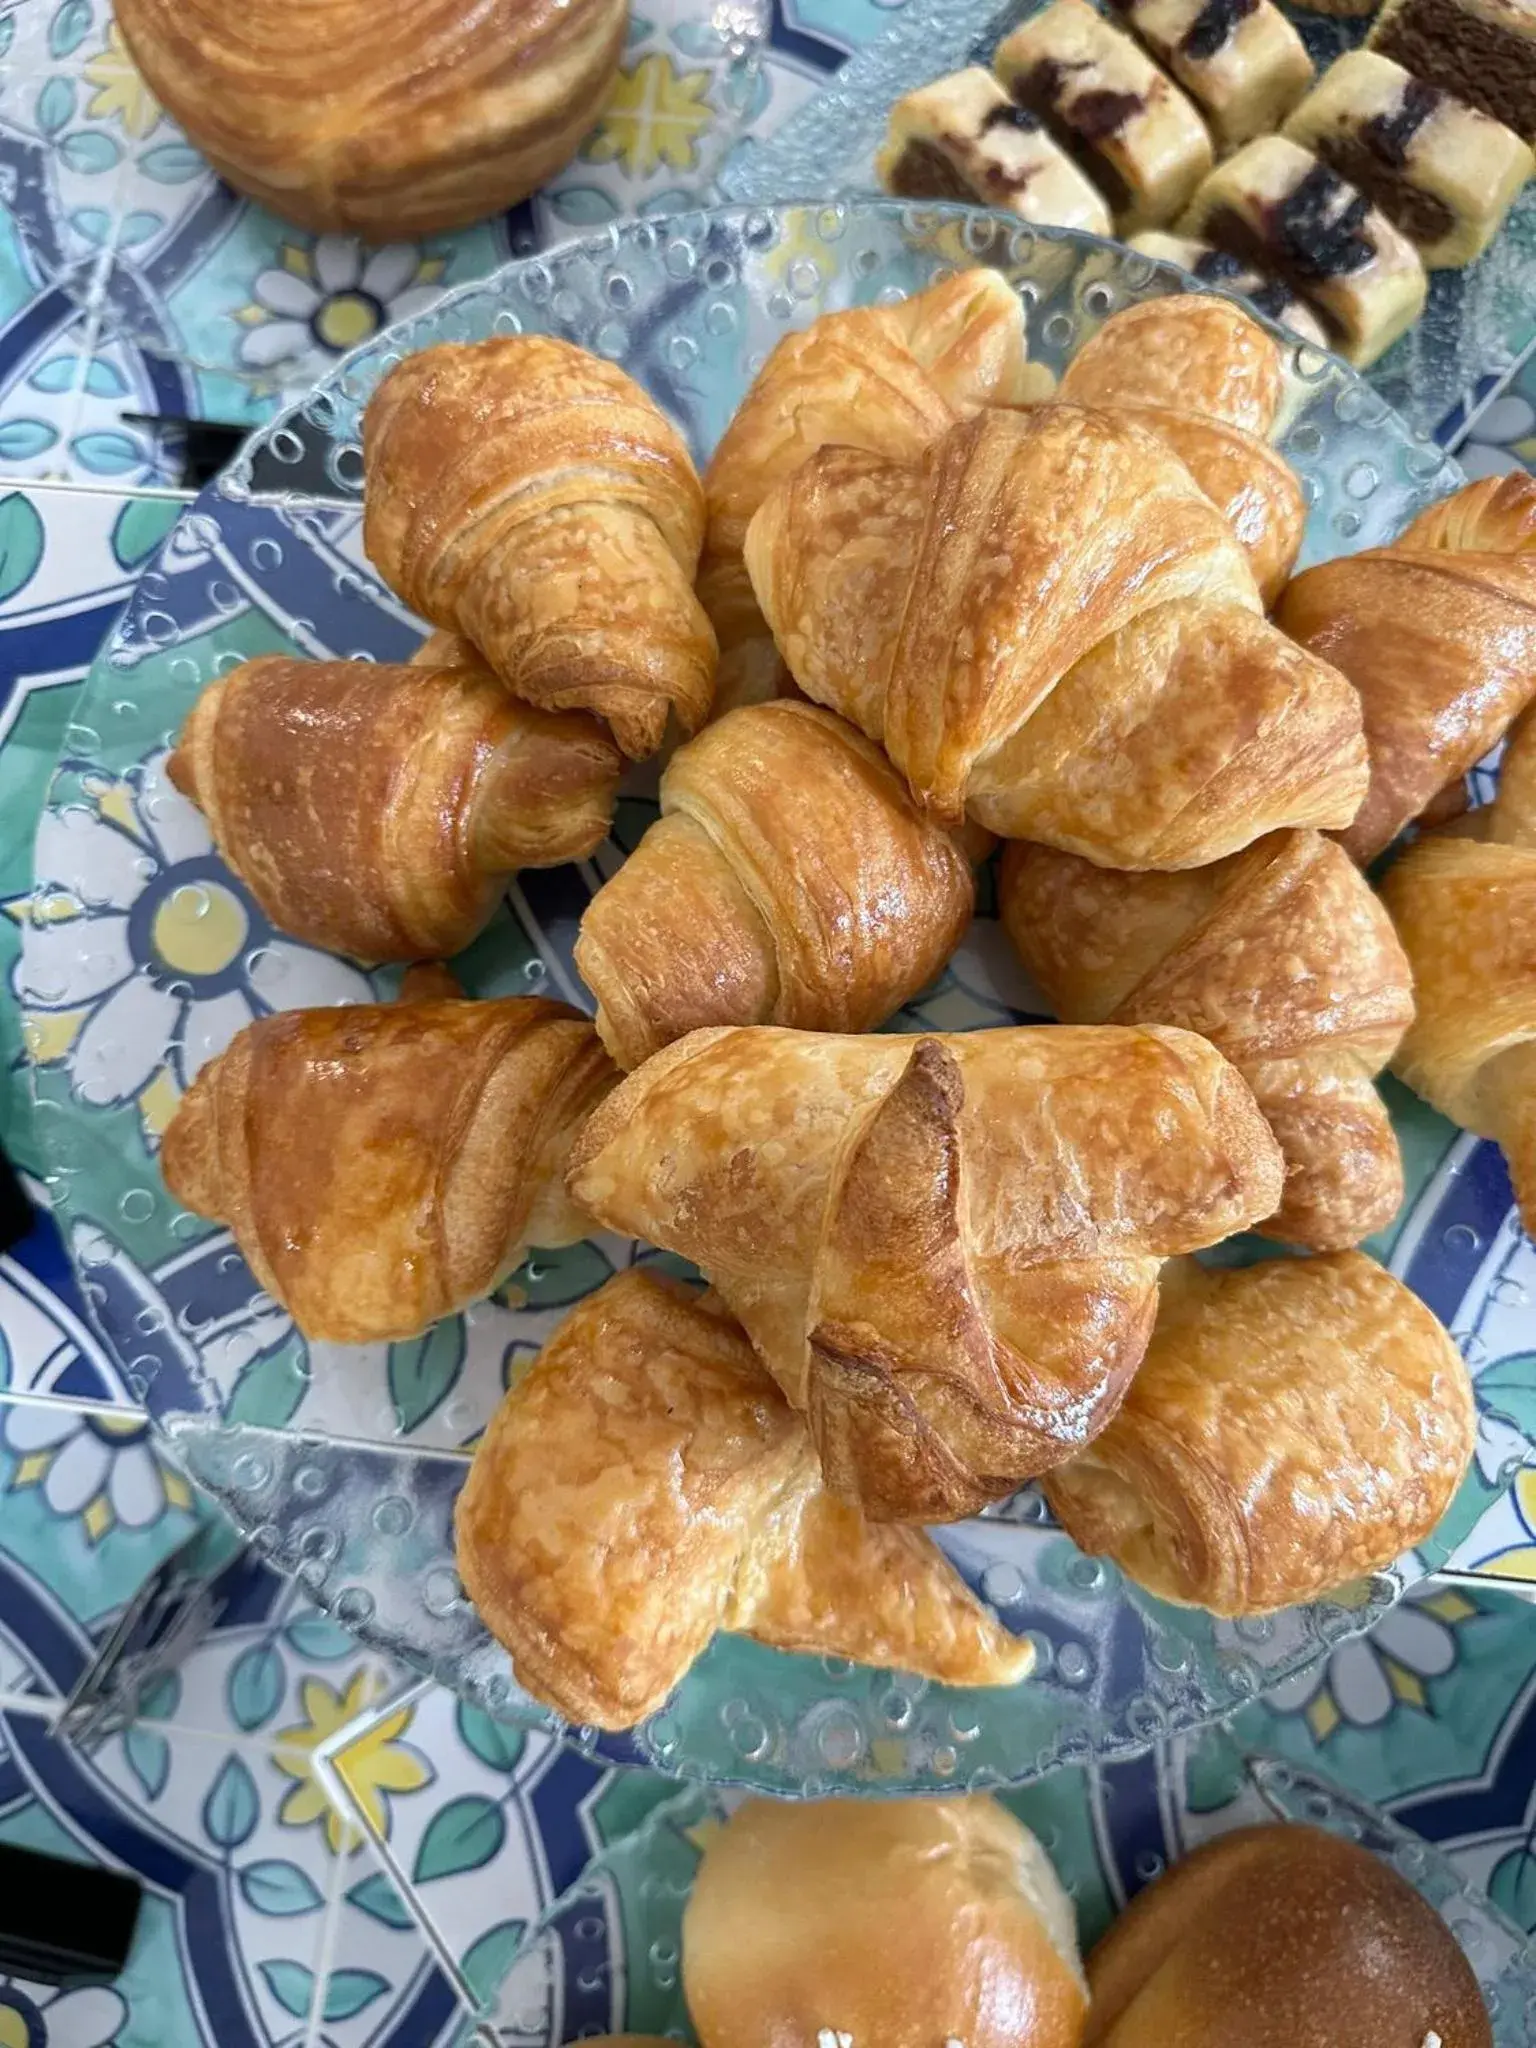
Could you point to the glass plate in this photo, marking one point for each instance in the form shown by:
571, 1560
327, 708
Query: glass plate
1474, 329
143, 955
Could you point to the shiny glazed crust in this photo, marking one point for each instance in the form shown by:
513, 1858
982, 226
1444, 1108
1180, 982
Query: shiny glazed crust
388, 120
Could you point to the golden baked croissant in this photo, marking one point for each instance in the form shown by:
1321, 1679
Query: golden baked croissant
1464, 902
379, 810
889, 379
946, 1251
645, 1484
532, 498
1283, 958
1206, 379
1046, 622
382, 1165
1438, 635
388, 122
789, 880
1294, 1425
1271, 1937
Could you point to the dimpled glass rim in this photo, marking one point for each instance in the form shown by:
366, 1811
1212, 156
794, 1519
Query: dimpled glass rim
727, 283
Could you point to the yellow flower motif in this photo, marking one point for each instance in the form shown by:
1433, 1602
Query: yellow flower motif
121, 94
654, 117
376, 1763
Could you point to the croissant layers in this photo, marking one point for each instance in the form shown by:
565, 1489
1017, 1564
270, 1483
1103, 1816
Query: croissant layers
389, 120
379, 810
531, 498
382, 1165
789, 880
1046, 623
946, 1252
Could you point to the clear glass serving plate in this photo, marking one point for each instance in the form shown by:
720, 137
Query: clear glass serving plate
1475, 328
143, 956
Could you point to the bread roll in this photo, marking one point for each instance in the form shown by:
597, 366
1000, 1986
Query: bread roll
904, 1923
1282, 1937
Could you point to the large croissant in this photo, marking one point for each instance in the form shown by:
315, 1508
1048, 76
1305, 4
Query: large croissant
885, 378
1293, 1426
645, 1484
377, 810
1283, 958
532, 498
946, 1252
1464, 902
1207, 380
789, 880
1046, 622
1438, 635
383, 1165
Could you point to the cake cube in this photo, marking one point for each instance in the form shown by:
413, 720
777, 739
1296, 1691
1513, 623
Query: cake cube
1483, 51
1240, 61
1275, 300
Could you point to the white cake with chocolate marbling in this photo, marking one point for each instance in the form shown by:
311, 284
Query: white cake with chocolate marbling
1240, 61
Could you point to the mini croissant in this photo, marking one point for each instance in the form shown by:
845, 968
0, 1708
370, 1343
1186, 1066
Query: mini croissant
645, 1484
889, 379
789, 880
1294, 1425
1464, 902
945, 1251
383, 1165
1047, 623
1206, 379
1438, 635
532, 498
378, 810
1283, 958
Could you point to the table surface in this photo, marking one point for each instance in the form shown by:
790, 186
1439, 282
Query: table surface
132, 282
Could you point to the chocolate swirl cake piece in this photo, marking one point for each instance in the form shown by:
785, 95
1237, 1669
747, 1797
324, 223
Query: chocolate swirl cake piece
1267, 295
1482, 51
1240, 61
1124, 124
1446, 173
963, 138
1276, 207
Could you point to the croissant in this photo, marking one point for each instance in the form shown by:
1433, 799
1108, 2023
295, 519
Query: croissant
382, 1165
1046, 622
645, 1484
889, 379
379, 811
788, 880
1293, 1426
533, 499
1464, 902
389, 122
1438, 635
1207, 380
947, 1252
1283, 958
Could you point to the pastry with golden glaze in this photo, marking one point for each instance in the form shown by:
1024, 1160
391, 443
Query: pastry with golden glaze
790, 879
1294, 1426
645, 1484
1464, 902
1124, 124
380, 810
892, 1923
531, 498
1336, 1948
945, 1251
382, 1165
1438, 635
388, 121
1281, 956
1046, 623
889, 379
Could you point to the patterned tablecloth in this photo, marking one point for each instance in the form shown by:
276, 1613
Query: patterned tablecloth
330, 1853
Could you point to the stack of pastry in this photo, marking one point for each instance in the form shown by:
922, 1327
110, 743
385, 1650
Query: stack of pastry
1327, 207
949, 605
